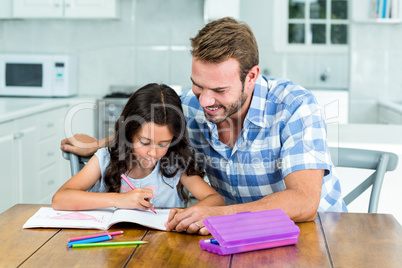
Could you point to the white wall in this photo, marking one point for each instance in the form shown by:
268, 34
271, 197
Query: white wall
375, 64
150, 43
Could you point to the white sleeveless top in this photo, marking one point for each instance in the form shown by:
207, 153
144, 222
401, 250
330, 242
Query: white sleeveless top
164, 189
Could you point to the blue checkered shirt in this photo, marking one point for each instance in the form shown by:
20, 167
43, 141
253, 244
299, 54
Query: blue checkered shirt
283, 132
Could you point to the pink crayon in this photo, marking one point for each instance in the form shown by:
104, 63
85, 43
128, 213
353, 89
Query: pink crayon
96, 235
132, 186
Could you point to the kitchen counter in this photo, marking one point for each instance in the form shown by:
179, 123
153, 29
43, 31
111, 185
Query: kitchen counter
15, 107
366, 136
390, 112
396, 106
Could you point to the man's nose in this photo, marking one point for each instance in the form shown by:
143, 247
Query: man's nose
206, 98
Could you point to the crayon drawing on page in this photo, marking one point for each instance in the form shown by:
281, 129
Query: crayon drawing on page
74, 216
77, 216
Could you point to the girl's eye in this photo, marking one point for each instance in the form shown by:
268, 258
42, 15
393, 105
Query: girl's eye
144, 143
164, 146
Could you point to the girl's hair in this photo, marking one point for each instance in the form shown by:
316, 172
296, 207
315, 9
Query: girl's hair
161, 105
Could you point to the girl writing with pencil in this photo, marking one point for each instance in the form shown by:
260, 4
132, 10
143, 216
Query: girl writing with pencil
148, 163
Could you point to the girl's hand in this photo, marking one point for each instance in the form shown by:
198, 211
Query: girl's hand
137, 198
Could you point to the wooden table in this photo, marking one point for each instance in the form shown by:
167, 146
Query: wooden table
332, 240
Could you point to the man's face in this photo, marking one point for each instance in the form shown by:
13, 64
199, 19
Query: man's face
219, 89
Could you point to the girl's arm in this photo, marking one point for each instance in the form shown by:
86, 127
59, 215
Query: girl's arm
201, 190
73, 196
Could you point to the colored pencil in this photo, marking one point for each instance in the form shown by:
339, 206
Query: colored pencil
90, 240
132, 186
120, 243
127, 181
95, 235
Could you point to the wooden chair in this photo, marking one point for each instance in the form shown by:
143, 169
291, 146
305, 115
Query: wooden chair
380, 162
76, 162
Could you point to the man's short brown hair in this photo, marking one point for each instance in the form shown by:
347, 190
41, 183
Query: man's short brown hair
223, 39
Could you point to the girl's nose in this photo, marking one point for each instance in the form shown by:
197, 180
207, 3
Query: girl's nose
152, 151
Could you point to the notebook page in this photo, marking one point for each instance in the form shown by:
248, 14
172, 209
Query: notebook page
143, 217
46, 217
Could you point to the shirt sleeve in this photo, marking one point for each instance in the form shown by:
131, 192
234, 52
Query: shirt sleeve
304, 137
104, 158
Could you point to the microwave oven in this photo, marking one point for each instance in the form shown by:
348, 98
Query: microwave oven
45, 75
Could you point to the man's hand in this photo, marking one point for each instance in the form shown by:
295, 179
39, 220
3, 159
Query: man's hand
191, 219
81, 144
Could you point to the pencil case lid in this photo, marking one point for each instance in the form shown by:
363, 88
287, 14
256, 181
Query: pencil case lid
247, 228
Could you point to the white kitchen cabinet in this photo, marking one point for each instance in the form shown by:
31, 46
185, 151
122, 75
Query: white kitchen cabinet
31, 165
52, 168
65, 9
18, 161
90, 8
26, 147
5, 9
9, 190
38, 8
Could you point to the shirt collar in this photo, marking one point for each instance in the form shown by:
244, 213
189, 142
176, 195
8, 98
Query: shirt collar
256, 111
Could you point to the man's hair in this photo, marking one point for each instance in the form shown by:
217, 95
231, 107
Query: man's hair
223, 39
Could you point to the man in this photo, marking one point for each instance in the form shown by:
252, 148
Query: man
262, 141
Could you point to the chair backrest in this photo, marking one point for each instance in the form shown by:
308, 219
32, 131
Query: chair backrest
76, 162
379, 161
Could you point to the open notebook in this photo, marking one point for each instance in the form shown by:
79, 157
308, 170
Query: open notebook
102, 219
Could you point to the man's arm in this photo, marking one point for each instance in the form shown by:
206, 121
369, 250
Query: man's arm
300, 202
83, 145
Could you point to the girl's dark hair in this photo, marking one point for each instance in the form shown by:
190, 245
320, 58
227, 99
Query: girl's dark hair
161, 105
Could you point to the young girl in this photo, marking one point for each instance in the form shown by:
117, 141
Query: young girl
151, 149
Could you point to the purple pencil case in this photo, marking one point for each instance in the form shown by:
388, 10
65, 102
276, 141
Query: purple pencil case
248, 231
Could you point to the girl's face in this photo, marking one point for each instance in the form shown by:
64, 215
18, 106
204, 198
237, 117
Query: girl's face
151, 143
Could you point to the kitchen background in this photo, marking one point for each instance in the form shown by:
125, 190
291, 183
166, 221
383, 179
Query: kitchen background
148, 41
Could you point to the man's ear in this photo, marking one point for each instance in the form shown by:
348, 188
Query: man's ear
252, 76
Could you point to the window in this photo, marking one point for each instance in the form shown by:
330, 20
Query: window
311, 24
317, 22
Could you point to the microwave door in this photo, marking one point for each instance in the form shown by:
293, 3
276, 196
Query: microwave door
26, 79
24, 75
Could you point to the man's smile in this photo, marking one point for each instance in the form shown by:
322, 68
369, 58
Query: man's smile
212, 110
